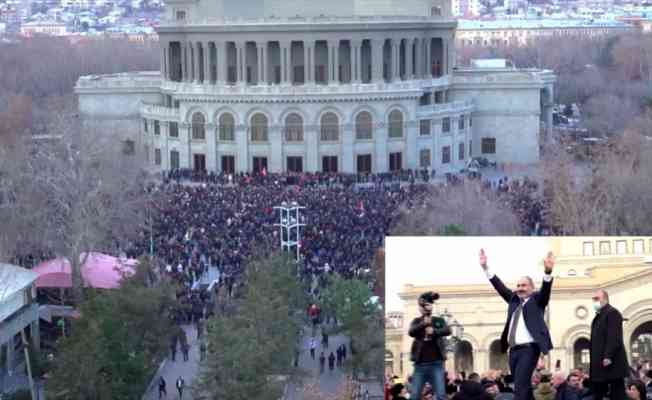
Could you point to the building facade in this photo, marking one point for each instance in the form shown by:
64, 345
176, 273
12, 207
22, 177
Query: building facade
620, 265
349, 86
523, 32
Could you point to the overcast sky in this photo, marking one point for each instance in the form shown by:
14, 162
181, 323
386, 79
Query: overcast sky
454, 260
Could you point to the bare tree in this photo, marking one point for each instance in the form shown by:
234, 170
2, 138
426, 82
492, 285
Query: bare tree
476, 210
73, 196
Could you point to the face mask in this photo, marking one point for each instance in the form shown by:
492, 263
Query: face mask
597, 306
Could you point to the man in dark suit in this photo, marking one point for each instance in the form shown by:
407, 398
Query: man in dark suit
525, 333
428, 348
608, 357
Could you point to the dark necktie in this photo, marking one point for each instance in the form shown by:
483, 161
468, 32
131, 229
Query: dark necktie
515, 318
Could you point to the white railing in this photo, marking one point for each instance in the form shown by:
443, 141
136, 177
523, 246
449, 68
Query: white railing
159, 111
125, 80
445, 108
316, 89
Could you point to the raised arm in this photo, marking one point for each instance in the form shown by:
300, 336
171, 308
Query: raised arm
546, 287
500, 287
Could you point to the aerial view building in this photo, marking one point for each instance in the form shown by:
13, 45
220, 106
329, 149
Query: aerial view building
350, 86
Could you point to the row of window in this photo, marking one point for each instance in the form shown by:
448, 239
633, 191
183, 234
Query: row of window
294, 128
622, 247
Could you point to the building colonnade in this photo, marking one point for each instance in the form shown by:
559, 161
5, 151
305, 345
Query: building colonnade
329, 61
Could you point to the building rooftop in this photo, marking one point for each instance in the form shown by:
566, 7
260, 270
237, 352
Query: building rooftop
13, 279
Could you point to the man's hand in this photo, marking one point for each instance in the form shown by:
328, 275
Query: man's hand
430, 330
606, 362
549, 263
483, 260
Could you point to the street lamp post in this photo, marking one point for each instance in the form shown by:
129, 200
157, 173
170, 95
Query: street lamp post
290, 226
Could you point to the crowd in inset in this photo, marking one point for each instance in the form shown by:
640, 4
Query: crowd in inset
547, 385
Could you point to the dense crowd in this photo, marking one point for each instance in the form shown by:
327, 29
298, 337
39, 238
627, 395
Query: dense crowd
496, 385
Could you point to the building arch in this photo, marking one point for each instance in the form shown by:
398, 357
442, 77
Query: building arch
293, 127
463, 357
488, 339
198, 124
573, 333
330, 127
259, 127
497, 359
193, 110
327, 109
226, 126
364, 125
226, 109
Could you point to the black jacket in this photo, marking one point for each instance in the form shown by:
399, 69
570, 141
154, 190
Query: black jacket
470, 390
607, 342
533, 313
418, 332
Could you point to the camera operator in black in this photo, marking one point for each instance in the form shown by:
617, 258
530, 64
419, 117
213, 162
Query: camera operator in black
428, 348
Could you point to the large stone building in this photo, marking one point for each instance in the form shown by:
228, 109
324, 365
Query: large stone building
622, 266
306, 85
523, 32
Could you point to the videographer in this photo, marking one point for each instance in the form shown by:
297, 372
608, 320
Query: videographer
428, 348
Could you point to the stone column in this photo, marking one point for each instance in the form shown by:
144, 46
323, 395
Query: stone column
286, 60
377, 61
263, 61
242, 143
222, 63
184, 67
356, 61
197, 62
211, 147
408, 59
428, 72
396, 55
309, 62
163, 68
333, 47
418, 58
348, 162
207, 70
240, 62
261, 64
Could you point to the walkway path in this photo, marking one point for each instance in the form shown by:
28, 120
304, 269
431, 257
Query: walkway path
328, 380
188, 370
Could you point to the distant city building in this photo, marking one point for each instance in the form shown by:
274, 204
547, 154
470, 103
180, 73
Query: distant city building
521, 32
466, 8
51, 28
3, 28
346, 86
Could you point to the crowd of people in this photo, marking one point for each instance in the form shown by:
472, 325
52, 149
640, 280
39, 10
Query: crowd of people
547, 385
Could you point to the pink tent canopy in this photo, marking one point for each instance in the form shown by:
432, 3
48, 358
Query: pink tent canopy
100, 271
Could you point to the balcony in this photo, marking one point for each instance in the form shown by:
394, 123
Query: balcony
415, 85
298, 20
159, 112
443, 109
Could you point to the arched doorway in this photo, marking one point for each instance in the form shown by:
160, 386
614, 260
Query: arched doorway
641, 342
497, 359
389, 361
582, 353
464, 357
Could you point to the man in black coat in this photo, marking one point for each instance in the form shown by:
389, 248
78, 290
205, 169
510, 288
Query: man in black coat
608, 357
525, 333
428, 348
